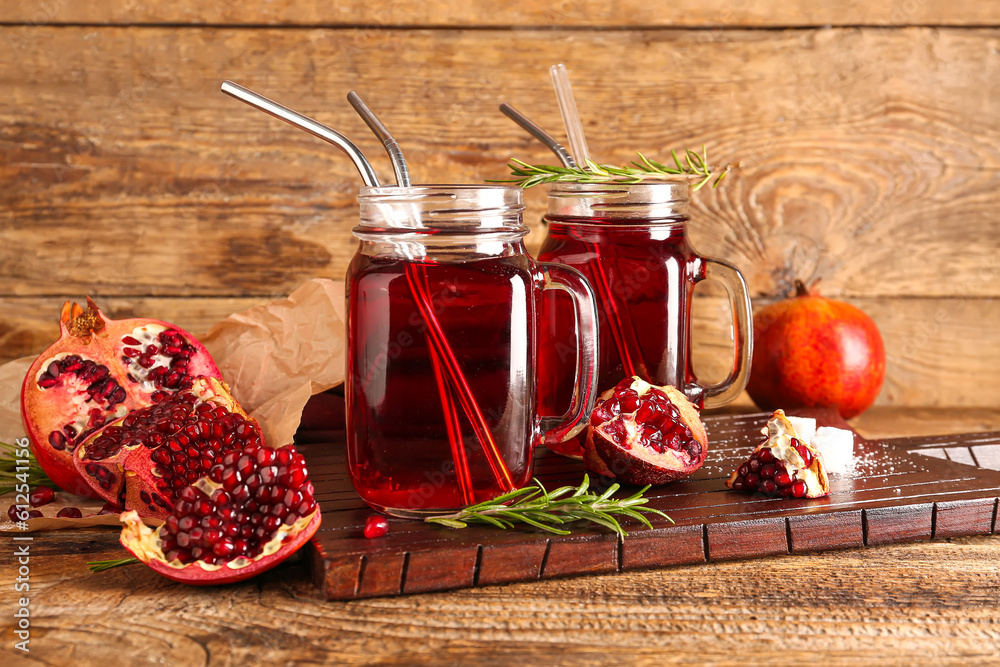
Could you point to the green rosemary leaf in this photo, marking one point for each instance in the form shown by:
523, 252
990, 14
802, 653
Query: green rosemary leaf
608, 493
643, 169
680, 165
102, 565
535, 506
12, 473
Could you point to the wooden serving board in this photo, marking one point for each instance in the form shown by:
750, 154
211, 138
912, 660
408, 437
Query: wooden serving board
894, 495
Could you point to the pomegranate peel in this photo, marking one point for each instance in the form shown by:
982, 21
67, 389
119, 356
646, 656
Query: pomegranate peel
97, 371
644, 434
218, 536
811, 351
144, 459
782, 465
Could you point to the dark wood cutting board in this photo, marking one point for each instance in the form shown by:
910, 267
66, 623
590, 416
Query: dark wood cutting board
894, 495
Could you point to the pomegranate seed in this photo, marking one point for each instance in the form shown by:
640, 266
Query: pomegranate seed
376, 526
57, 440
629, 401
767, 471
15, 514
34, 514
805, 454
70, 513
41, 495
799, 489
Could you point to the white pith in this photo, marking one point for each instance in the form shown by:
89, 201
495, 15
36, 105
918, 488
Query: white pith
147, 335
779, 440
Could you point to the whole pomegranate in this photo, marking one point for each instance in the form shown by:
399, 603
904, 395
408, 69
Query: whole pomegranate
98, 371
810, 351
643, 434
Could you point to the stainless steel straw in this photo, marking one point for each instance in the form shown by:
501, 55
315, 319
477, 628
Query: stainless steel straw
303, 122
538, 133
382, 132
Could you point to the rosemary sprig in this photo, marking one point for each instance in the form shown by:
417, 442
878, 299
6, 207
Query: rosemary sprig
693, 164
537, 507
12, 474
102, 565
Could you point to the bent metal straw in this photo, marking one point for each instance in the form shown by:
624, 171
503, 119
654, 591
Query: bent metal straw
303, 122
442, 357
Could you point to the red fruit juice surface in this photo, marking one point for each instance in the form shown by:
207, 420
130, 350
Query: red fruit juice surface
642, 274
400, 455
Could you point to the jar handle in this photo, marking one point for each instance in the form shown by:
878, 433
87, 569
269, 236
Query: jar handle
726, 391
571, 281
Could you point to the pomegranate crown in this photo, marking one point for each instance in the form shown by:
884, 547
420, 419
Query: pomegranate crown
80, 323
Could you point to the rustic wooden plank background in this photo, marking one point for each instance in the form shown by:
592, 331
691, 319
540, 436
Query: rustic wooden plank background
869, 150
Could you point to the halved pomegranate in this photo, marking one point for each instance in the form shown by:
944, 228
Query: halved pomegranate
782, 465
253, 509
643, 434
143, 460
99, 370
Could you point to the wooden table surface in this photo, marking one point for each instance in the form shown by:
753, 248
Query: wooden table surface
932, 603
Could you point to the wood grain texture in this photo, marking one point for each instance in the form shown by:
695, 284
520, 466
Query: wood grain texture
135, 176
920, 604
715, 14
869, 159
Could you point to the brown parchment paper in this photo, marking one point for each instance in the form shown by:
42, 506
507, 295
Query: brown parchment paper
274, 357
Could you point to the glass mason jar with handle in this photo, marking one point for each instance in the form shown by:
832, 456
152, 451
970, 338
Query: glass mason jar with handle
443, 307
631, 242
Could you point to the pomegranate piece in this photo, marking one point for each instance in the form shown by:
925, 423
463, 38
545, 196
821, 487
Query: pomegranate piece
782, 465
376, 526
98, 371
251, 511
70, 513
643, 434
143, 460
41, 495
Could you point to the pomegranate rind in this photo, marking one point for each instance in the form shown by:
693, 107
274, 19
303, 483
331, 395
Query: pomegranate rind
92, 336
812, 351
133, 467
780, 433
143, 542
641, 465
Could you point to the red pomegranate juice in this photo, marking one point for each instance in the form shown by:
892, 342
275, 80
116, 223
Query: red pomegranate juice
639, 270
410, 447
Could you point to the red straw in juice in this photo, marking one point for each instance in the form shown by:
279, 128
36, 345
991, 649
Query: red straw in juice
455, 375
